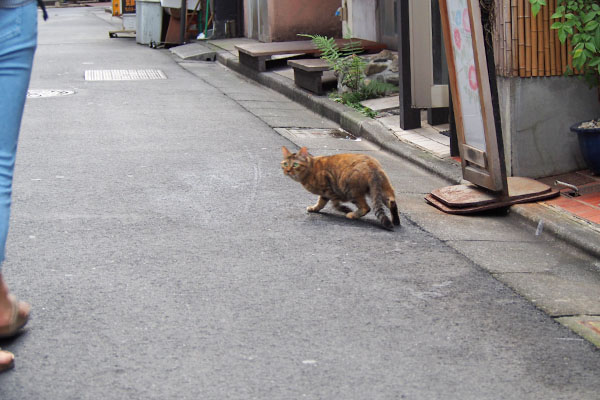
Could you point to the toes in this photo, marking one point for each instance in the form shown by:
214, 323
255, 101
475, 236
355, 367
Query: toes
6, 357
24, 309
7, 360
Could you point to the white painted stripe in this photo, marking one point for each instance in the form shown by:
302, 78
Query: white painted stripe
123, 74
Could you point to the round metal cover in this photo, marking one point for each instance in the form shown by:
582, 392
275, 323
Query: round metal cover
48, 93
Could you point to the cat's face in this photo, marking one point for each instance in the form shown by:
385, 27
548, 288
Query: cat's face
295, 165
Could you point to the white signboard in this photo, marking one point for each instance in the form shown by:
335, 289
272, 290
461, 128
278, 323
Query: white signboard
466, 75
471, 94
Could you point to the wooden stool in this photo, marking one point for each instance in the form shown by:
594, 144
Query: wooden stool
308, 73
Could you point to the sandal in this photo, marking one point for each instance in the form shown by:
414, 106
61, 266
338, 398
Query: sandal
11, 364
17, 321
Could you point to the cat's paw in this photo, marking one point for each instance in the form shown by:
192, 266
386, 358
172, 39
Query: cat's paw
351, 215
313, 209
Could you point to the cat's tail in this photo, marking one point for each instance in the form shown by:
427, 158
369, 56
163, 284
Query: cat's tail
394, 211
379, 204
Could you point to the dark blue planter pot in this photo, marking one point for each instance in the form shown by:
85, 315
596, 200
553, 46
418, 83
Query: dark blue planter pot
589, 143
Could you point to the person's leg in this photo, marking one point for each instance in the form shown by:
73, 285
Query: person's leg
18, 39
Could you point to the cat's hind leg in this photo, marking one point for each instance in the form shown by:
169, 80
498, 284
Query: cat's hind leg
363, 208
340, 207
322, 202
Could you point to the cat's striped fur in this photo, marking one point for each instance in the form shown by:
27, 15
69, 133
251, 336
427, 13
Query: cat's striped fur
344, 178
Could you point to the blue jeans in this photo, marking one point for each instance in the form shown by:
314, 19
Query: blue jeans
18, 40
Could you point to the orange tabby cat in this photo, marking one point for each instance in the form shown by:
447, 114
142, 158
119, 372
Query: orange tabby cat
343, 178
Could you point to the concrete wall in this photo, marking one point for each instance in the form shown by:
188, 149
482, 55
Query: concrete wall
256, 19
536, 115
363, 19
249, 19
287, 18
283, 20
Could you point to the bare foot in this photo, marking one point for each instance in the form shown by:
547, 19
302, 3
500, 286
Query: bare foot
13, 313
7, 309
7, 360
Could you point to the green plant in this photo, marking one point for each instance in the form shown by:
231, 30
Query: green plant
350, 99
345, 62
578, 21
375, 88
350, 69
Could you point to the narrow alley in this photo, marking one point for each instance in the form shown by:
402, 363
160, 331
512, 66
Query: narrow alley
166, 256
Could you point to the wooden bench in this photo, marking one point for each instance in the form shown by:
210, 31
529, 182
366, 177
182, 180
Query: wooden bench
308, 74
256, 55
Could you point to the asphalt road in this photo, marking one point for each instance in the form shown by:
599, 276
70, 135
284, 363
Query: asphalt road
167, 257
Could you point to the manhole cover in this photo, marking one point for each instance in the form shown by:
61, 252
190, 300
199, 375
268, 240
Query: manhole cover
33, 93
123, 74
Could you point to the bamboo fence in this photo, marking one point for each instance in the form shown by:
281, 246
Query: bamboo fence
525, 45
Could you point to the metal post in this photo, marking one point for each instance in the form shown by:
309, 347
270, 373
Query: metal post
491, 65
454, 151
410, 118
438, 115
182, 21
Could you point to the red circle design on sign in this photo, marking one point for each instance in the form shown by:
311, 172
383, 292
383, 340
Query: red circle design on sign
473, 78
465, 21
457, 38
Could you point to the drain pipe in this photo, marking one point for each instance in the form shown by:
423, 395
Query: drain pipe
183, 22
572, 187
206, 18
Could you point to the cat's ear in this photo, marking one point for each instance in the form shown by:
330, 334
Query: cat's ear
303, 152
286, 152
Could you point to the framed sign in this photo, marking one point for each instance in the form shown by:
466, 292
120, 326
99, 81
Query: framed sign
478, 137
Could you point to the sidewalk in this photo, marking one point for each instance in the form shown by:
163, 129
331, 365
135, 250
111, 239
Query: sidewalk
574, 220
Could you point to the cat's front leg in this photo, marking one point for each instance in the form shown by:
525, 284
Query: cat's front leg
322, 202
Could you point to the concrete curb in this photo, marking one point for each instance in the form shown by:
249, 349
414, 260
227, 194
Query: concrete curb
562, 226
576, 232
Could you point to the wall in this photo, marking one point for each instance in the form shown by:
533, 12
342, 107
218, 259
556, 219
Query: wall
536, 116
282, 20
256, 22
287, 18
362, 19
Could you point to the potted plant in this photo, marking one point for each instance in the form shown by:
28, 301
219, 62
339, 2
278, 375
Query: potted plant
579, 22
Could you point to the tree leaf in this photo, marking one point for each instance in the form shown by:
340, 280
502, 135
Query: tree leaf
562, 35
594, 62
590, 26
588, 17
590, 46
